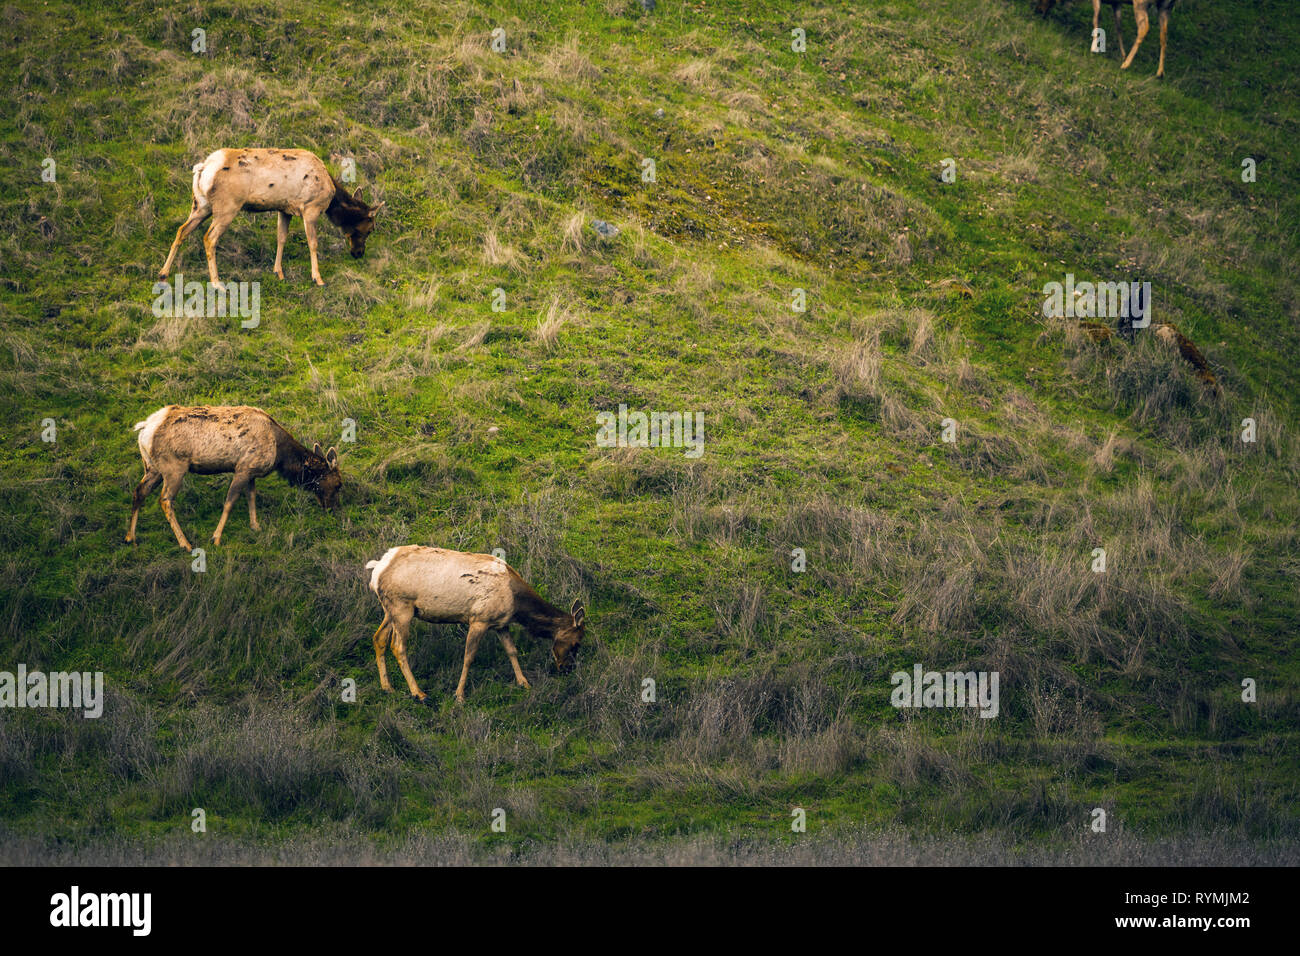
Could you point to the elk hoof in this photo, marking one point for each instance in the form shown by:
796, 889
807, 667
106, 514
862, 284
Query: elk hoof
422, 700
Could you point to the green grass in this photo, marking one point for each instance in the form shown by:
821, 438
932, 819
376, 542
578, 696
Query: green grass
776, 171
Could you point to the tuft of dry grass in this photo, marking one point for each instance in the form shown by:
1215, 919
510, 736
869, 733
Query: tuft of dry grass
549, 322
697, 74
858, 370
497, 253
571, 234
475, 335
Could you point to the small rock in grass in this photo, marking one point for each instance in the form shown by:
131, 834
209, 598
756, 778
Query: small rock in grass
604, 229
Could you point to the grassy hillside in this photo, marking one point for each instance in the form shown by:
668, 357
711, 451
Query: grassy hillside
475, 429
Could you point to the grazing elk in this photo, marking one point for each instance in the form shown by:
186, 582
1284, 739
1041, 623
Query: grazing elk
292, 182
215, 439
1045, 6
476, 589
1140, 12
1169, 334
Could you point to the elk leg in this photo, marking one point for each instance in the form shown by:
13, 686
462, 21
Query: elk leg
1143, 25
380, 641
237, 485
509, 645
252, 505
476, 632
219, 223
281, 234
147, 484
1119, 33
171, 485
399, 627
1164, 36
309, 227
197, 216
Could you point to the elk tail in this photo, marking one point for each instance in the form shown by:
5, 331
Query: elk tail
146, 429
376, 568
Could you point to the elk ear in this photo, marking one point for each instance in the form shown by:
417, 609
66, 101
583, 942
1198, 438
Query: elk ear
332, 457
579, 613
315, 450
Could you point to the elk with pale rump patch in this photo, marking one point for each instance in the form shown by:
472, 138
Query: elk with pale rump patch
480, 590
292, 182
216, 439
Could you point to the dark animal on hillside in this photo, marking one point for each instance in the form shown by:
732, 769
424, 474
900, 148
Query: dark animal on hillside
292, 182
1168, 333
216, 439
480, 590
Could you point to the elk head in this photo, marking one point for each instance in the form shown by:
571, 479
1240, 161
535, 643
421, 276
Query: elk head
362, 226
568, 639
321, 474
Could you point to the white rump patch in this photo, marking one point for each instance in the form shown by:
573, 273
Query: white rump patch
150, 426
205, 172
380, 566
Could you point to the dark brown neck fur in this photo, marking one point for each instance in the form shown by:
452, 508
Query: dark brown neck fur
345, 211
534, 614
292, 460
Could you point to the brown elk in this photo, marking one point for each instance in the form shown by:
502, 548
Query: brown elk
1140, 12
480, 590
216, 439
292, 182
1045, 6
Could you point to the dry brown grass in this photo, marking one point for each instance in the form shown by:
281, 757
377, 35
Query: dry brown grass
571, 235
497, 253
549, 322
